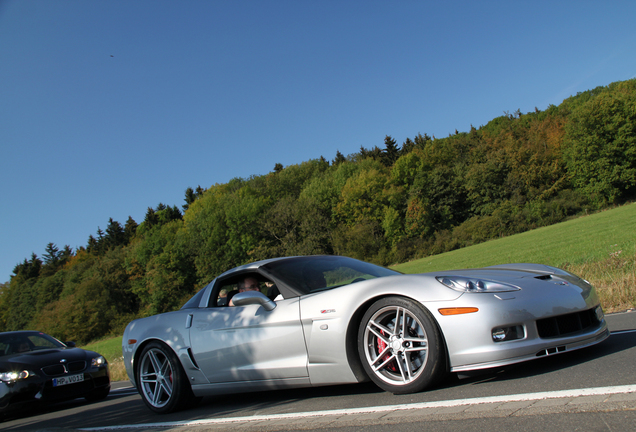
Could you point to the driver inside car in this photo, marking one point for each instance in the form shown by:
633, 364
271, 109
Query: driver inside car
247, 284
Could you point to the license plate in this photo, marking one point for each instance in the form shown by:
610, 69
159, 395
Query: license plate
72, 379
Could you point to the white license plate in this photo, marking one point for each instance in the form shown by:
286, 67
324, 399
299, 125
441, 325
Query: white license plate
72, 379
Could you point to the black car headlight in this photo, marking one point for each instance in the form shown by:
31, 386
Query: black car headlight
466, 284
98, 361
14, 376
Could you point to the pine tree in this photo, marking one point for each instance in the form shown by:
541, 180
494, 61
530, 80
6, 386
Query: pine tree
339, 158
115, 235
407, 147
391, 151
130, 229
190, 197
51, 256
151, 218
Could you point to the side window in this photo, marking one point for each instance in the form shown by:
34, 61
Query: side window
226, 292
246, 282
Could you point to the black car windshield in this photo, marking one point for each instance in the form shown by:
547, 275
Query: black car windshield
318, 273
16, 343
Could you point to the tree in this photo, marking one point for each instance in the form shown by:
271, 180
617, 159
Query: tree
115, 234
391, 151
97, 245
339, 158
51, 255
407, 147
130, 229
54, 258
278, 167
421, 141
92, 244
190, 196
375, 153
151, 218
600, 147
29, 268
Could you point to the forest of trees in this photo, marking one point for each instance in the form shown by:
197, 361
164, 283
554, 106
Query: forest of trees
385, 204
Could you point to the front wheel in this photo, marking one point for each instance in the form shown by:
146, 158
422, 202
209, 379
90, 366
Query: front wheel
400, 346
163, 385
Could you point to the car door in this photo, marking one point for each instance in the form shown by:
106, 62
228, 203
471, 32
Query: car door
245, 343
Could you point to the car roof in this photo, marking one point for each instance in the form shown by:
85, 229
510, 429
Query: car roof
255, 265
21, 332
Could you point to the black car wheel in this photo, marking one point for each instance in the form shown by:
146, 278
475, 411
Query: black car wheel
400, 346
163, 385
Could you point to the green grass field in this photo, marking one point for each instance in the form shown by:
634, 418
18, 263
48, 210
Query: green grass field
575, 242
600, 248
111, 349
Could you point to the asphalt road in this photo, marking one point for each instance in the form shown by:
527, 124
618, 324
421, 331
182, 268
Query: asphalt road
590, 389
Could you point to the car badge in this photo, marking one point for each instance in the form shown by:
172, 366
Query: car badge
324, 311
63, 361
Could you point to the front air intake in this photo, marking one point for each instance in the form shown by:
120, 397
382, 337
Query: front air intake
563, 325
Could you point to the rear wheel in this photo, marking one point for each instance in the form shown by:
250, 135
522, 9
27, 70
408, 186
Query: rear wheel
400, 346
163, 384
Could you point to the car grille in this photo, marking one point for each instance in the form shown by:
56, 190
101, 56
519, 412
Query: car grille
59, 369
563, 325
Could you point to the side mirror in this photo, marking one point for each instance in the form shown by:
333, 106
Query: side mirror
70, 344
253, 297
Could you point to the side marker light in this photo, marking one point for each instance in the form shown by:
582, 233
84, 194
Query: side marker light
457, 310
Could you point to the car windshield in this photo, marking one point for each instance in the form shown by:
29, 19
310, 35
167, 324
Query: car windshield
16, 343
319, 273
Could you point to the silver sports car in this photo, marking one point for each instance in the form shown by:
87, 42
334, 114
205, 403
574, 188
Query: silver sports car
322, 320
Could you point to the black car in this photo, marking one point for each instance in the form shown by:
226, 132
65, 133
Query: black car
36, 367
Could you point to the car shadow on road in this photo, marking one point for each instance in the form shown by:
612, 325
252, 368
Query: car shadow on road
129, 409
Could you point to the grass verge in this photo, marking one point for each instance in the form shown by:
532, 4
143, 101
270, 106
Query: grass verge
111, 349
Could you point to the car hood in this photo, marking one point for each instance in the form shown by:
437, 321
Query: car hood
525, 276
510, 272
40, 358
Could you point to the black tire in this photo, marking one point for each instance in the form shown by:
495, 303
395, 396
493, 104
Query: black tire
162, 383
403, 358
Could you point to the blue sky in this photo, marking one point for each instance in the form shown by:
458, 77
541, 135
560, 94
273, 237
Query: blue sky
110, 107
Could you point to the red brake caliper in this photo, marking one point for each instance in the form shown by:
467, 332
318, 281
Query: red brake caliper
381, 347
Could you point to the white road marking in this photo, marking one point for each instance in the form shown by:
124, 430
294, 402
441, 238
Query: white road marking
377, 409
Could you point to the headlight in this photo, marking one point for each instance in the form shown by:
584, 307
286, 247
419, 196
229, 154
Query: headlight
14, 376
465, 284
98, 361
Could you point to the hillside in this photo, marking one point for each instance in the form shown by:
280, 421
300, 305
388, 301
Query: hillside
578, 241
521, 172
